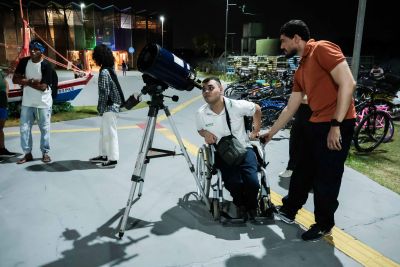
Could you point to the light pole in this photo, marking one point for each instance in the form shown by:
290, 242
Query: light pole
226, 30
83, 25
162, 30
84, 37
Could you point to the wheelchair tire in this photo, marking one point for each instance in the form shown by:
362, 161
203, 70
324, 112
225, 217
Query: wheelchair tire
266, 207
201, 170
216, 210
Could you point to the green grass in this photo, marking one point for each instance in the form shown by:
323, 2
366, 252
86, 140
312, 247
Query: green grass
381, 165
74, 114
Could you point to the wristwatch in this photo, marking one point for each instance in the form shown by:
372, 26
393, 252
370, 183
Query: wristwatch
335, 123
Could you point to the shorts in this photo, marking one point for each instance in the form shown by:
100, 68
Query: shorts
3, 114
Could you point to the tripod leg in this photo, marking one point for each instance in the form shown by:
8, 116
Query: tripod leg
140, 169
185, 154
142, 182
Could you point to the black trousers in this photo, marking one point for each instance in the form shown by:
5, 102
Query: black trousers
320, 169
296, 144
242, 181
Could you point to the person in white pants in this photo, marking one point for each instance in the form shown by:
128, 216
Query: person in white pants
108, 107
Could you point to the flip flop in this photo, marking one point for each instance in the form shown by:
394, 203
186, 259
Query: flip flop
26, 158
46, 158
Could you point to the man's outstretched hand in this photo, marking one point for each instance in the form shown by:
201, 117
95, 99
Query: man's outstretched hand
265, 138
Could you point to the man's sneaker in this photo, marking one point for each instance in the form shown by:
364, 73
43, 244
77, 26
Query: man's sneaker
99, 159
5, 153
284, 216
108, 164
286, 174
315, 233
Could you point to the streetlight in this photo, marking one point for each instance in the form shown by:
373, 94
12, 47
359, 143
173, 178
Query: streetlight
162, 30
82, 7
84, 36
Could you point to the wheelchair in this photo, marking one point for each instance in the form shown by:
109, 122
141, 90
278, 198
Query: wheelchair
211, 181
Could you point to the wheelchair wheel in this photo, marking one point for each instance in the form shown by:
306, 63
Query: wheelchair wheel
216, 210
203, 171
266, 207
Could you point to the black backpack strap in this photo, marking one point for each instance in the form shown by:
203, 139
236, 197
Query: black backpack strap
115, 80
228, 119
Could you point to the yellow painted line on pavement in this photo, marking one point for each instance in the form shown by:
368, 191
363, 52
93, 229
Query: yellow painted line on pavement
192, 149
159, 119
76, 130
179, 107
344, 242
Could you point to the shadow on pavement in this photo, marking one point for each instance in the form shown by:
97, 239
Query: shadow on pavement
91, 250
284, 182
290, 251
192, 214
282, 242
62, 166
13, 159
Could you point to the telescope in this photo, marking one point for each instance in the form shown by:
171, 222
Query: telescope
166, 67
160, 69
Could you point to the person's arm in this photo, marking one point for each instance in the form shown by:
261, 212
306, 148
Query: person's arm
342, 76
256, 123
285, 116
7, 86
209, 137
38, 85
19, 79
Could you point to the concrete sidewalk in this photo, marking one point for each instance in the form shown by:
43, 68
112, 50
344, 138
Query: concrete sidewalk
66, 213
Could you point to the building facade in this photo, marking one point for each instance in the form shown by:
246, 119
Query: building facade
74, 30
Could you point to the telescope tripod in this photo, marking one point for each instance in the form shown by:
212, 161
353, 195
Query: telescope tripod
146, 152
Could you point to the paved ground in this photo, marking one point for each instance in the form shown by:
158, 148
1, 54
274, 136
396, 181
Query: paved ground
66, 213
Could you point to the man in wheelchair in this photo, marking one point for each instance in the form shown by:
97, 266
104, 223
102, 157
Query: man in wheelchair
212, 124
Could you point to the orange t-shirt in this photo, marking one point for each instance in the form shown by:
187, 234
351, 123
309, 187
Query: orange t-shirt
314, 79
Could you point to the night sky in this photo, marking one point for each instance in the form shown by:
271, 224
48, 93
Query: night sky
330, 20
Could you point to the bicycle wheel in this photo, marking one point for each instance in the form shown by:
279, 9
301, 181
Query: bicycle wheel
268, 117
390, 133
371, 131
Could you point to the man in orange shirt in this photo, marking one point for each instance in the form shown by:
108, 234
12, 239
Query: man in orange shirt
325, 77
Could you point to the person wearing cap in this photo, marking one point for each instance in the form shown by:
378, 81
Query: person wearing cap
34, 74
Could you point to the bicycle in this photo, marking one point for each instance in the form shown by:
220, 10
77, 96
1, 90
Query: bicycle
373, 122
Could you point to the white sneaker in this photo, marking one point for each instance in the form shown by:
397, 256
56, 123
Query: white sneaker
286, 174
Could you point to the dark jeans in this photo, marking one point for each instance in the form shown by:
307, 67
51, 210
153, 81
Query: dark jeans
242, 181
296, 143
320, 169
